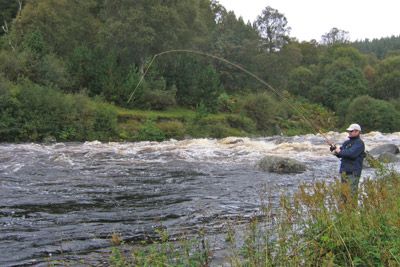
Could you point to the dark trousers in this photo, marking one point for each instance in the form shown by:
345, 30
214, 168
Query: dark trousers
352, 180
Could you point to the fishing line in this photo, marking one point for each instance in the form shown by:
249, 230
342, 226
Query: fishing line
300, 110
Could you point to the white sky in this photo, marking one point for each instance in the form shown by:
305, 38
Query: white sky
310, 19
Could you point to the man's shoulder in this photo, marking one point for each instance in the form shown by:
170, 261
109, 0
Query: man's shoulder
359, 143
359, 140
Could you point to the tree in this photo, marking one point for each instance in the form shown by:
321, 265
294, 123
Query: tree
341, 80
197, 83
63, 24
137, 30
8, 10
373, 114
310, 52
236, 41
273, 29
379, 47
335, 36
301, 80
387, 84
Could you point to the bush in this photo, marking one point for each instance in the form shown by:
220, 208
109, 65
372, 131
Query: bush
263, 110
301, 80
341, 82
212, 126
150, 132
13, 65
31, 112
172, 129
157, 99
304, 117
241, 122
373, 114
227, 103
197, 82
104, 122
9, 112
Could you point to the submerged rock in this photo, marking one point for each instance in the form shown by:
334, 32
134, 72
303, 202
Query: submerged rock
231, 140
281, 165
387, 148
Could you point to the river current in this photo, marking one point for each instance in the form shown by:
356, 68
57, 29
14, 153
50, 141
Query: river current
66, 199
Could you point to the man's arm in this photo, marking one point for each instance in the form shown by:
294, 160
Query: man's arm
353, 152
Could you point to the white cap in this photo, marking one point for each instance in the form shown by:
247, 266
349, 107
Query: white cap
353, 127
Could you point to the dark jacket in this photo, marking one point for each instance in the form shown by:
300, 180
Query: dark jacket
352, 154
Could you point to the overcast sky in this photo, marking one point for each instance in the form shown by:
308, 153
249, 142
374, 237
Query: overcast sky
309, 19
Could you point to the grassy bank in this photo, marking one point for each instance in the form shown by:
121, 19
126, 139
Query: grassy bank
321, 225
139, 125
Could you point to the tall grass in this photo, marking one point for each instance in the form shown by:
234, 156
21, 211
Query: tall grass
320, 225
161, 252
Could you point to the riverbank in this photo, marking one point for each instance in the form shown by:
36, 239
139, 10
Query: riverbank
139, 125
321, 225
34, 113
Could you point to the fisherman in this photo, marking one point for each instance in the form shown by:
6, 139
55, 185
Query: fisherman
351, 153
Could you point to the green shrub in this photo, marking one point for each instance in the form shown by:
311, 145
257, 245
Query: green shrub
9, 112
227, 103
263, 110
118, 87
46, 70
172, 129
163, 252
303, 117
150, 132
105, 122
196, 82
373, 114
30, 112
212, 126
13, 65
156, 99
241, 122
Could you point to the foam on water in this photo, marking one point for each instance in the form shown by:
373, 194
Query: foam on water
233, 149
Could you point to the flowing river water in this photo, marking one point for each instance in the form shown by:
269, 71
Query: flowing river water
66, 199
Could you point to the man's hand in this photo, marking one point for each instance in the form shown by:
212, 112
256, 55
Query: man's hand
337, 150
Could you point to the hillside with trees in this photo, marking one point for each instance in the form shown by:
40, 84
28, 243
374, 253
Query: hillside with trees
68, 68
381, 48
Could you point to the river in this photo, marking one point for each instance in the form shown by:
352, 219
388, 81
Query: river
66, 199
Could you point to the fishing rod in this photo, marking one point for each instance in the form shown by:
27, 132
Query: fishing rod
298, 109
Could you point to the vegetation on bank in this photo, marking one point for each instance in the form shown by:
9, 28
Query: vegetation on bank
37, 113
67, 69
321, 225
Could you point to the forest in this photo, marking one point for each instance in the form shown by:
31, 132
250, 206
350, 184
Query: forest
68, 69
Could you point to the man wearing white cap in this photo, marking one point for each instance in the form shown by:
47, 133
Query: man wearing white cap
351, 153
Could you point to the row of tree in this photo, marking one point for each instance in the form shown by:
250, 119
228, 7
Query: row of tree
102, 48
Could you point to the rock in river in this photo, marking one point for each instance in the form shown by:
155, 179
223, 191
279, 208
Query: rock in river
281, 165
388, 157
387, 148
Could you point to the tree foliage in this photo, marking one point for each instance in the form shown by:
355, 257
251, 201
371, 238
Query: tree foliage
273, 29
379, 47
335, 36
100, 49
373, 114
387, 85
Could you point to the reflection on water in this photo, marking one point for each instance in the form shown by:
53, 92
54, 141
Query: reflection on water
68, 198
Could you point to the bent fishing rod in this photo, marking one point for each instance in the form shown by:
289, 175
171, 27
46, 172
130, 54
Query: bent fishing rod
298, 109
